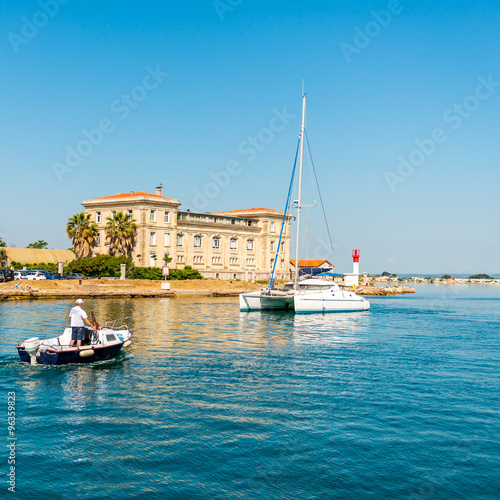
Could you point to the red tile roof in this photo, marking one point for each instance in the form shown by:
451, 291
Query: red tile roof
134, 194
311, 263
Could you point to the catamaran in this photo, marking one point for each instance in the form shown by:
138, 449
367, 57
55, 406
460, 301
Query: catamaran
308, 295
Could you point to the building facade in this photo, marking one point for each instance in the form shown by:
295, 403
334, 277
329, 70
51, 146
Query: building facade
237, 244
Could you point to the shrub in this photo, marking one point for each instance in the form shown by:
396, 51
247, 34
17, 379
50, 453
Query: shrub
100, 266
155, 273
50, 267
145, 273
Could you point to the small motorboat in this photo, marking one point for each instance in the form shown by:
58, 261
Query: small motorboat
105, 343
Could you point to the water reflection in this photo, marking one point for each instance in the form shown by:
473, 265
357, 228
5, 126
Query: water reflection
258, 405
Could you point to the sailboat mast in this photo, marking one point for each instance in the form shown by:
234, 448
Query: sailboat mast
299, 204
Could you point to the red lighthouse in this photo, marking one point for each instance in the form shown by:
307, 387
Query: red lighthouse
355, 261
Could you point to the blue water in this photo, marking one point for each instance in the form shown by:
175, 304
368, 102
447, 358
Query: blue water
400, 402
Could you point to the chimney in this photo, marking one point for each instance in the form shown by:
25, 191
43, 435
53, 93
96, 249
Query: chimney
159, 190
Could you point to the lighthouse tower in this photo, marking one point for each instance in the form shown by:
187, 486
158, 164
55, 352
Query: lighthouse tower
355, 261
351, 279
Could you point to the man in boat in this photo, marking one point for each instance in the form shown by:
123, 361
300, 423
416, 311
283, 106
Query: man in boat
78, 319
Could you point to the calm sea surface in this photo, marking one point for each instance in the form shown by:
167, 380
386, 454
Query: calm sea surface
399, 402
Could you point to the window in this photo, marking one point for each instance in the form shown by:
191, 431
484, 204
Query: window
197, 241
198, 259
113, 213
215, 242
180, 258
167, 217
152, 259
233, 221
272, 263
98, 217
180, 240
272, 246
250, 262
283, 247
216, 260
152, 216
152, 239
233, 261
167, 240
98, 239
233, 244
249, 222
250, 245
272, 227
130, 215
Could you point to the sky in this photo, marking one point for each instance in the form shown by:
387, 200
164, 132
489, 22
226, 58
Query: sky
205, 97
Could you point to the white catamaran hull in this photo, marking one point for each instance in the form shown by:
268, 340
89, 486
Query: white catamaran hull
327, 302
324, 301
256, 301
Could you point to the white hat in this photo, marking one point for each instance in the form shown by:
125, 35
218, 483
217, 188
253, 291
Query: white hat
79, 301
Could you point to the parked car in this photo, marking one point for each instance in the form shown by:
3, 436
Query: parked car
20, 275
52, 276
6, 275
35, 275
75, 276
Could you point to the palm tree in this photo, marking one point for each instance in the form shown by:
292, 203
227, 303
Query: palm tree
83, 232
121, 231
3, 256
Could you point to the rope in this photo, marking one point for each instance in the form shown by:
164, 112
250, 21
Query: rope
319, 193
271, 279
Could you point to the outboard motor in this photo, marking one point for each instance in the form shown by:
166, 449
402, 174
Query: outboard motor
31, 346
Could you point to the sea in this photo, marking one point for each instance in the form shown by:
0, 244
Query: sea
399, 402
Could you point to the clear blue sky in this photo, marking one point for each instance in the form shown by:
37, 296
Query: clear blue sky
232, 67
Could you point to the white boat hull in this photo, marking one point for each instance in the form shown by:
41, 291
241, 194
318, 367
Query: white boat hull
328, 302
256, 301
324, 301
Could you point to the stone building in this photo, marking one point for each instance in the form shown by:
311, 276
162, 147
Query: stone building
237, 244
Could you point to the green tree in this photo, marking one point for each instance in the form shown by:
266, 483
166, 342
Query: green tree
121, 231
83, 232
167, 259
2, 242
480, 277
446, 277
3, 256
38, 244
386, 273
